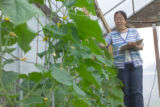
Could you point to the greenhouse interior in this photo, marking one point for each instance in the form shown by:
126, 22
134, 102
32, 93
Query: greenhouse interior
68, 53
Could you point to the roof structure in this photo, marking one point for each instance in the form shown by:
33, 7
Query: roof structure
147, 16
140, 13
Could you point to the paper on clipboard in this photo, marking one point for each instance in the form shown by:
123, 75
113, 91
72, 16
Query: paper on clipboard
127, 47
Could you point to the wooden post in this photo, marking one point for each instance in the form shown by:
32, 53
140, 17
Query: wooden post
156, 54
100, 15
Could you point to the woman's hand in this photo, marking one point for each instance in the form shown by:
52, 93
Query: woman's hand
132, 45
101, 45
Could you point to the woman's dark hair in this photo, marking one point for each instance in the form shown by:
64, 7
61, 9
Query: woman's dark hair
122, 13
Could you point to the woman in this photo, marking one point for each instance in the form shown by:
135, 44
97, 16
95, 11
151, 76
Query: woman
128, 62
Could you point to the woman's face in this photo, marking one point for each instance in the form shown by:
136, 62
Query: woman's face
120, 21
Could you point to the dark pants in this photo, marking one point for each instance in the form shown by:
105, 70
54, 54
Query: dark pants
132, 79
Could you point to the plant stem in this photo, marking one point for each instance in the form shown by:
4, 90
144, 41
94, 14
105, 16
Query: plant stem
51, 15
20, 59
39, 22
0, 49
59, 9
1, 66
30, 92
50, 6
24, 89
6, 94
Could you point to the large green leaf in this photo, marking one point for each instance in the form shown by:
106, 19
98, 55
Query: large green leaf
81, 103
23, 76
8, 78
69, 3
96, 74
88, 76
19, 11
78, 90
41, 54
104, 60
62, 76
113, 102
41, 105
27, 83
55, 30
37, 1
92, 45
35, 76
25, 36
87, 27
117, 92
40, 67
33, 100
88, 4
7, 39
73, 33
61, 93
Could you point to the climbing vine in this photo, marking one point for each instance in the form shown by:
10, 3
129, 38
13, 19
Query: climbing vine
75, 73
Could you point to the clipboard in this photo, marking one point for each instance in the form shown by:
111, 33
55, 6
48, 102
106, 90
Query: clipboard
127, 47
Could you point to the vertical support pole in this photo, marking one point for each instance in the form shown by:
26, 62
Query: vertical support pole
133, 7
19, 69
156, 54
53, 100
1, 44
0, 50
100, 15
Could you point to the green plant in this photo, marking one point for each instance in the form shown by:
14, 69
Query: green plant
85, 75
